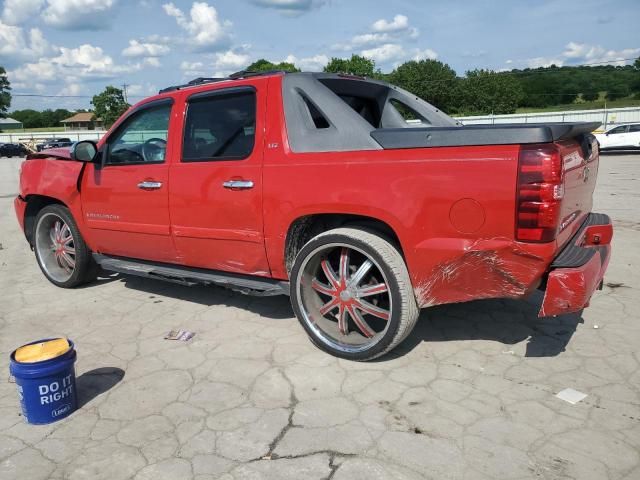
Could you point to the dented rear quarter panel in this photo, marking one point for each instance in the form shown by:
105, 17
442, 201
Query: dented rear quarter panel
453, 209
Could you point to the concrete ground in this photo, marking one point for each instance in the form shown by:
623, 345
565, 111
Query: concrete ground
471, 394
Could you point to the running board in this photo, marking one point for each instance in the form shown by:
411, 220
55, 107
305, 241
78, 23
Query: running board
246, 284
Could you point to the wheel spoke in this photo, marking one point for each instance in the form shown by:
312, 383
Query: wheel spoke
371, 309
69, 249
57, 228
369, 290
330, 305
320, 287
342, 320
357, 277
344, 266
360, 322
61, 263
68, 259
64, 232
329, 273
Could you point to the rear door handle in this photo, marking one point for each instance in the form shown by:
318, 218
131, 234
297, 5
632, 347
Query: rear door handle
238, 184
149, 185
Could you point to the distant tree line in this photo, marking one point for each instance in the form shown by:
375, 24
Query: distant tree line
41, 119
486, 91
476, 92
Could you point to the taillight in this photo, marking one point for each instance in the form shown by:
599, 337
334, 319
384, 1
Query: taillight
540, 192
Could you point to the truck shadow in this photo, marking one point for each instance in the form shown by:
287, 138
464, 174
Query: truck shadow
274, 307
500, 320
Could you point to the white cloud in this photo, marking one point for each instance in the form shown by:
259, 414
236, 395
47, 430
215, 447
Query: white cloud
141, 90
18, 46
389, 52
193, 69
145, 49
384, 40
84, 62
367, 39
539, 62
309, 64
72, 89
79, 14
206, 31
151, 62
231, 60
17, 11
399, 23
582, 53
426, 54
291, 7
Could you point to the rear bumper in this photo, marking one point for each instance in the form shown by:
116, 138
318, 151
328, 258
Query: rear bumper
579, 268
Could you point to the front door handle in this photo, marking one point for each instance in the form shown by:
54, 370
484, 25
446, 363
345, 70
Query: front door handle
149, 185
238, 184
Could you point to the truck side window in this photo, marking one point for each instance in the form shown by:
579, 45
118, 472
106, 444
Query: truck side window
220, 126
142, 138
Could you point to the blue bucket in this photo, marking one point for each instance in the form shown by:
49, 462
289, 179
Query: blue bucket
47, 389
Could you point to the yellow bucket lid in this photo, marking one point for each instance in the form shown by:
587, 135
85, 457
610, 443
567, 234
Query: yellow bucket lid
37, 352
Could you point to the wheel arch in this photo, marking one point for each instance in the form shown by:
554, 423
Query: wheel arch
305, 227
35, 203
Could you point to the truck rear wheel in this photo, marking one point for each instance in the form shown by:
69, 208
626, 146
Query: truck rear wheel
351, 292
62, 255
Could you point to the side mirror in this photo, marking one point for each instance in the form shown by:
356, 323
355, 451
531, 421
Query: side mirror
84, 151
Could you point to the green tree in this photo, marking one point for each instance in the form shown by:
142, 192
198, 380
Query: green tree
356, 65
590, 96
29, 118
5, 93
109, 105
431, 80
485, 91
263, 65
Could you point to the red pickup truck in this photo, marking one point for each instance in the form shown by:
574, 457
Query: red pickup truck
359, 200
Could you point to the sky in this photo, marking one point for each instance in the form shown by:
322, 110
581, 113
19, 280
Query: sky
74, 48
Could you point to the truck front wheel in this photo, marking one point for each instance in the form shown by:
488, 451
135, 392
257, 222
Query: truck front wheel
62, 255
350, 290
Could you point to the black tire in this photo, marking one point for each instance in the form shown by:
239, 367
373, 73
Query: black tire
85, 269
387, 260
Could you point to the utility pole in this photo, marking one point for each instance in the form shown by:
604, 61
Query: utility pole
124, 91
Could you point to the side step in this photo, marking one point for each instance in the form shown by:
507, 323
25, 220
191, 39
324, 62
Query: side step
247, 284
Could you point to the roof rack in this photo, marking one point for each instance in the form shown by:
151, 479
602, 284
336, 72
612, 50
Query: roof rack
234, 76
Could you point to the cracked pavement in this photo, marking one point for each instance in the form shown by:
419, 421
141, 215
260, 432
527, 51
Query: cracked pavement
470, 395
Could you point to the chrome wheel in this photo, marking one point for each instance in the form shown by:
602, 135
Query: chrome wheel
345, 297
55, 247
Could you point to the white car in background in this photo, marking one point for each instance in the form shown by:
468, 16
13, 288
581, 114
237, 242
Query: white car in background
621, 136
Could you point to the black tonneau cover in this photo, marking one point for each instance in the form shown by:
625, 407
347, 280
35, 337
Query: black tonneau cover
468, 135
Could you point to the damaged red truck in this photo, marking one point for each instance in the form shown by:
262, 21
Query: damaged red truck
359, 200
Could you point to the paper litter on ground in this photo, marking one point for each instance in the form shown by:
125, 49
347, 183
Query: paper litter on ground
570, 395
183, 335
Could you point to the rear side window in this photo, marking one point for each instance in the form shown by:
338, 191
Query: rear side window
220, 126
634, 128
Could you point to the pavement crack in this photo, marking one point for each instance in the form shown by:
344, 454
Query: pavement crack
293, 402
